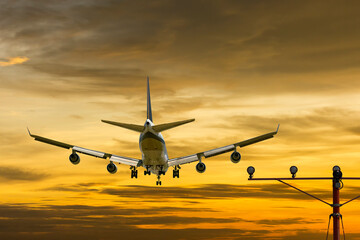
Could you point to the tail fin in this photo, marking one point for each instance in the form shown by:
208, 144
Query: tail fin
166, 126
149, 112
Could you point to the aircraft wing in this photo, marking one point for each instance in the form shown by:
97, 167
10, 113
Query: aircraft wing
220, 150
110, 157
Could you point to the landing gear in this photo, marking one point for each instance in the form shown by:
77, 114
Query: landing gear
158, 182
161, 172
176, 172
147, 171
134, 172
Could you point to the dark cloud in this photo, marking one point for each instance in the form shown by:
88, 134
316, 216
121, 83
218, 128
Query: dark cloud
287, 221
108, 76
114, 45
210, 192
19, 174
354, 130
201, 192
89, 222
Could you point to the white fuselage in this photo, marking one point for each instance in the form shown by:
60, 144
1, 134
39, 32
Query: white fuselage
153, 149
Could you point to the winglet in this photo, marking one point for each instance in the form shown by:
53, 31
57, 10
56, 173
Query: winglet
277, 128
29, 131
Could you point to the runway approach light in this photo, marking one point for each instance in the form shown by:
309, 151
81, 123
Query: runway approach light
336, 168
293, 171
337, 174
251, 171
337, 177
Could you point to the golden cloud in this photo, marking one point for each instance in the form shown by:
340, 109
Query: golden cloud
13, 61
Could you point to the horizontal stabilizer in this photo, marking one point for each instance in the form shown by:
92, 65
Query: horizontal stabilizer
134, 127
166, 126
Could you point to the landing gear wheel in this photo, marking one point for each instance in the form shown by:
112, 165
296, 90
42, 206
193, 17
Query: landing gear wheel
147, 170
158, 182
134, 173
176, 173
161, 172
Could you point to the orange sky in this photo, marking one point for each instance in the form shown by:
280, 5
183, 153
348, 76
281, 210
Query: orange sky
238, 67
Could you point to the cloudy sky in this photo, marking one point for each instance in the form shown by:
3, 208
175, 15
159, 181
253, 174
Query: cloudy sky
238, 67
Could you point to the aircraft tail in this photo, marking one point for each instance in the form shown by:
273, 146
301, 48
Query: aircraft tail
135, 127
166, 126
141, 128
149, 112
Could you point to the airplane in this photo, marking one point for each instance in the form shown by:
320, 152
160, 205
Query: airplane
154, 158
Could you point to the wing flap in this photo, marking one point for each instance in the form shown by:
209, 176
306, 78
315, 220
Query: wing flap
89, 152
125, 160
218, 151
183, 160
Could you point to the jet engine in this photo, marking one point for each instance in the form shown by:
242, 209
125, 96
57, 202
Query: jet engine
235, 157
74, 158
200, 167
111, 167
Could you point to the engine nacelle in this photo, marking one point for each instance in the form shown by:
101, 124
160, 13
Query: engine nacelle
235, 157
111, 167
74, 158
200, 167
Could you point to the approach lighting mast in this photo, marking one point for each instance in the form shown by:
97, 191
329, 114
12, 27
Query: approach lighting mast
337, 186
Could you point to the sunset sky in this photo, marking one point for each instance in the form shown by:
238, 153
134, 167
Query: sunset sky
238, 67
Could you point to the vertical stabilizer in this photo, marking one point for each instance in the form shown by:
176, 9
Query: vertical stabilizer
149, 113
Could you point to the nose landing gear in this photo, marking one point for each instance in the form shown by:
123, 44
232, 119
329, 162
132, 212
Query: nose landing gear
158, 182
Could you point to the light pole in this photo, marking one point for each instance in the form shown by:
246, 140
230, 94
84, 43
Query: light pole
337, 185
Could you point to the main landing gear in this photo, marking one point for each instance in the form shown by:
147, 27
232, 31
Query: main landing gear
176, 172
134, 172
158, 182
147, 171
161, 170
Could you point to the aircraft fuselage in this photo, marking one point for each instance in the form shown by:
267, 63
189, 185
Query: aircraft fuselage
153, 149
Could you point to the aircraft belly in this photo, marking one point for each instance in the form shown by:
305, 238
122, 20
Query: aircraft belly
153, 151
150, 144
154, 155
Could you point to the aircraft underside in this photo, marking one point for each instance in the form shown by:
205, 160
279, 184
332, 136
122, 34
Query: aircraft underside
154, 155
